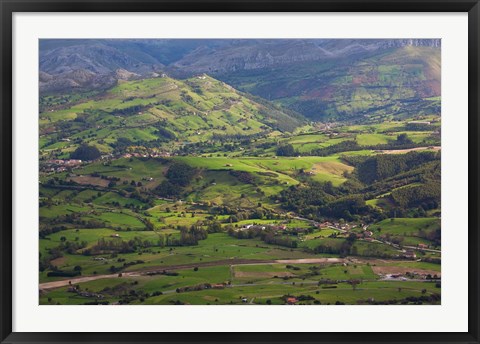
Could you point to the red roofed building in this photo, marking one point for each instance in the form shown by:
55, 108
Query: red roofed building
292, 300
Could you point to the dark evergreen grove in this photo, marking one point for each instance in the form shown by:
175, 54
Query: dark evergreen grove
86, 152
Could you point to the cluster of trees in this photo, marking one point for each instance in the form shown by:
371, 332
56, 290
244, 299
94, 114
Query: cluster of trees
305, 199
270, 238
121, 144
86, 152
131, 110
244, 214
344, 247
61, 273
179, 175
420, 127
383, 166
117, 246
255, 214
189, 236
415, 300
266, 235
243, 176
237, 140
165, 133
426, 196
323, 200
286, 150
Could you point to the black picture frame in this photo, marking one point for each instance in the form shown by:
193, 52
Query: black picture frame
9, 7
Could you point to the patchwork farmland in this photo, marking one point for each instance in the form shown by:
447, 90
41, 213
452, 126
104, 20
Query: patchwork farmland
182, 190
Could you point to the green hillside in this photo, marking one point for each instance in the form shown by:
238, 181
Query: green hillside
160, 112
398, 83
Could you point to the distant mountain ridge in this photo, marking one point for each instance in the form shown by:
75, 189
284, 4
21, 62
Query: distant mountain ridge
142, 56
271, 53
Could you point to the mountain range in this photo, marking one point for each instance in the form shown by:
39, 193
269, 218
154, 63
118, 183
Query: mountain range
323, 79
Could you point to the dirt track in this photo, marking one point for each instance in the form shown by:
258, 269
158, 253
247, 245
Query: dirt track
230, 262
401, 151
77, 280
385, 270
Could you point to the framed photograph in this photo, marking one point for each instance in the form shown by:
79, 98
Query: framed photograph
265, 171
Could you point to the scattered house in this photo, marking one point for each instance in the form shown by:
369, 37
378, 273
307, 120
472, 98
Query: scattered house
419, 122
73, 162
422, 246
244, 300
218, 286
292, 300
253, 227
87, 294
56, 162
228, 165
107, 157
410, 254
116, 235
